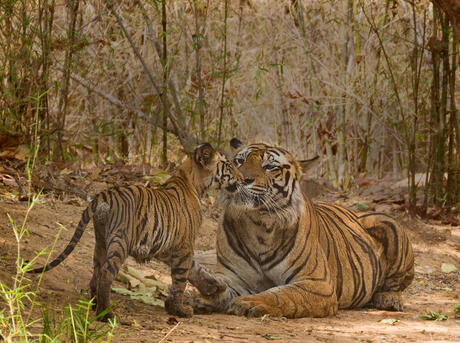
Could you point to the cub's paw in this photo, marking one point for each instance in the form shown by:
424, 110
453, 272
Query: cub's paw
202, 305
251, 307
389, 301
210, 286
178, 309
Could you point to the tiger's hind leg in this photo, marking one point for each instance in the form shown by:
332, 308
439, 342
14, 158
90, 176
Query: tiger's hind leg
116, 255
181, 262
100, 255
397, 259
100, 220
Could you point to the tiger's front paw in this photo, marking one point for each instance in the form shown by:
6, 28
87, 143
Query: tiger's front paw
250, 307
177, 308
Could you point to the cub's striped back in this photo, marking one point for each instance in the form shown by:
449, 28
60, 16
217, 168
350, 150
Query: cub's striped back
152, 222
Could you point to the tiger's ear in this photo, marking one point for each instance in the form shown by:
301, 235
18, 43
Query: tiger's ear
204, 155
235, 143
309, 164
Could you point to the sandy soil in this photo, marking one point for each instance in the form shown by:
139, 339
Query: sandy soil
431, 289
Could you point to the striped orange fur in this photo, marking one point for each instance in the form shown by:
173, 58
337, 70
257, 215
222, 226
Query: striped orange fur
283, 255
153, 222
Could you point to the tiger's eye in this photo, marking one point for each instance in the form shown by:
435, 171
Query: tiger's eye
239, 161
270, 167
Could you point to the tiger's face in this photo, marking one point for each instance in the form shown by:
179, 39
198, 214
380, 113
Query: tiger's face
270, 179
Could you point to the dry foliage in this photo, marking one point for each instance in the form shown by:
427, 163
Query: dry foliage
351, 81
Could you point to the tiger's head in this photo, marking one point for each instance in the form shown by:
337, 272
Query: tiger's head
270, 180
212, 170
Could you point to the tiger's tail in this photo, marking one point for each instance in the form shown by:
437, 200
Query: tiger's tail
85, 218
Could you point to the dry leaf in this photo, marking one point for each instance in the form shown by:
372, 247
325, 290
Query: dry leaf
448, 268
390, 321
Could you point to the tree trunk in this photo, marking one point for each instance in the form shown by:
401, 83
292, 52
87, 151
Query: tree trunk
64, 91
164, 62
342, 113
224, 76
197, 47
453, 160
452, 9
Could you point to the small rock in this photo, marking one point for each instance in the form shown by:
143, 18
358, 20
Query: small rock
448, 268
390, 321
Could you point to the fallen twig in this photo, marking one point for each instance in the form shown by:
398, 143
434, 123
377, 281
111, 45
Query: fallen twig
169, 333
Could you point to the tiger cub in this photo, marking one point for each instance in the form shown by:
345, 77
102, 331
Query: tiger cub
154, 222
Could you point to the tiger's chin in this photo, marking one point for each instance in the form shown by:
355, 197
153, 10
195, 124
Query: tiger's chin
235, 201
244, 201
257, 206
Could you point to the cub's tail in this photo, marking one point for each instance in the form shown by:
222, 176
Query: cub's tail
85, 218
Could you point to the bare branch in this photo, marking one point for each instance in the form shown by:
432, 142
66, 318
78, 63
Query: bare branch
115, 101
185, 138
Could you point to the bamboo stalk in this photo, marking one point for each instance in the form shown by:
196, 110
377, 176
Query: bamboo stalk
197, 47
224, 76
164, 62
63, 95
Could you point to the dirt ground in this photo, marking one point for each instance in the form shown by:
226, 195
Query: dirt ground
431, 289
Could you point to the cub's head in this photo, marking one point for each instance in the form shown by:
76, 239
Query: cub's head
270, 179
213, 170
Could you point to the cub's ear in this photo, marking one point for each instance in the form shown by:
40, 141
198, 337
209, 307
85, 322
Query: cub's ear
235, 143
187, 152
311, 163
204, 154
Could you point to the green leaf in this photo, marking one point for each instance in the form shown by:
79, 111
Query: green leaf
360, 207
432, 315
270, 337
457, 308
160, 178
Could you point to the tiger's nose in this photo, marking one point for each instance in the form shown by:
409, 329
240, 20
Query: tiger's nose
247, 181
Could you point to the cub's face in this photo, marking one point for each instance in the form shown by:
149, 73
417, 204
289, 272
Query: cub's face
227, 177
216, 171
270, 179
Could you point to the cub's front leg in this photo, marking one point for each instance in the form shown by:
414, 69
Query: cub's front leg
181, 262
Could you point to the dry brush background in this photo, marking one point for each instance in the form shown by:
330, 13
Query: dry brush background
371, 86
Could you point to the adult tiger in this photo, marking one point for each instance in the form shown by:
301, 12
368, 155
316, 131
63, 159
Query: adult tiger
282, 255
154, 222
